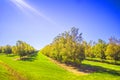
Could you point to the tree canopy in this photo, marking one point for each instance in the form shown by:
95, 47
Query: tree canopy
21, 48
66, 47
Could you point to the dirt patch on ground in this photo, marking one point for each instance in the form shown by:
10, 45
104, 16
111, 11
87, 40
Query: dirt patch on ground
70, 68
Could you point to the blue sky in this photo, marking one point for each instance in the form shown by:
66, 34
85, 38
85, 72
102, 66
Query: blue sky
37, 22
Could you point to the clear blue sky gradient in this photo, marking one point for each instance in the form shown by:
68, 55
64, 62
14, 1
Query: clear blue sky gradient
94, 18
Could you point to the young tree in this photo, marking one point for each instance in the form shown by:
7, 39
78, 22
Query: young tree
23, 49
0, 49
89, 49
99, 49
7, 49
14, 50
113, 49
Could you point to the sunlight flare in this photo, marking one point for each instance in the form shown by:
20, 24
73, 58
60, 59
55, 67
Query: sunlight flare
24, 6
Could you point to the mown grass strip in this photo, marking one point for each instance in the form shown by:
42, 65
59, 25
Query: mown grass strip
14, 73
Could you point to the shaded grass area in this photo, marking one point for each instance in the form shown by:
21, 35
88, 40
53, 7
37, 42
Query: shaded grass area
104, 61
88, 67
39, 67
103, 68
30, 58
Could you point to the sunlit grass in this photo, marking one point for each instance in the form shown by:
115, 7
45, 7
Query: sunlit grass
4, 74
40, 68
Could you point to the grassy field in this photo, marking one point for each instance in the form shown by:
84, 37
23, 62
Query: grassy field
105, 61
4, 74
40, 67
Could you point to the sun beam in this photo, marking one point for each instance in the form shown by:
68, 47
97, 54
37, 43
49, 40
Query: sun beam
24, 6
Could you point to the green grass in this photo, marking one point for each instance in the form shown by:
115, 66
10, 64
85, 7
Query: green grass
4, 74
102, 71
103, 61
40, 68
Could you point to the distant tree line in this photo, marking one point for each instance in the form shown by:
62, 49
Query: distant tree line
103, 50
69, 47
6, 49
21, 48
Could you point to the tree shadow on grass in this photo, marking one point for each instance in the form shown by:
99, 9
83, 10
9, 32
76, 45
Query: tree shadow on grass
117, 63
10, 55
30, 58
87, 68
